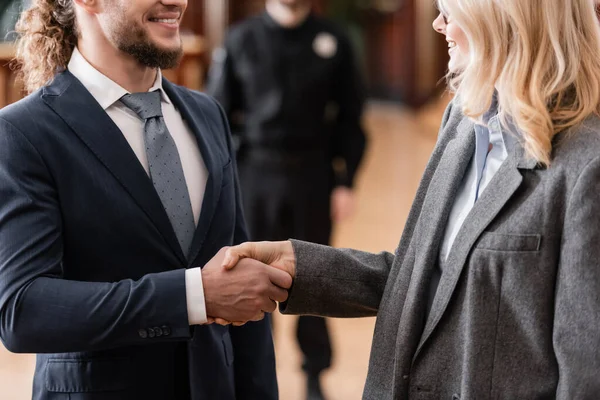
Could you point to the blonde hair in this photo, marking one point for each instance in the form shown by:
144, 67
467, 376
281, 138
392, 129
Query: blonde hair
543, 59
47, 36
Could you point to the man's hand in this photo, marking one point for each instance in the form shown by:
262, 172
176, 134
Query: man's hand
342, 203
276, 254
244, 293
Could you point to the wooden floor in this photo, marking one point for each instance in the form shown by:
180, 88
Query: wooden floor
399, 146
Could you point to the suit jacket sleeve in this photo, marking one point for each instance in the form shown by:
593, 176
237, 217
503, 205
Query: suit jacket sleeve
348, 141
255, 375
40, 312
337, 282
576, 335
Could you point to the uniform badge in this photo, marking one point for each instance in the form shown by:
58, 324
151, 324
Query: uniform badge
325, 45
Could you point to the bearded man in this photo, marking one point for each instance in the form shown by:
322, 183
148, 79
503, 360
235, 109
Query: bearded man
118, 189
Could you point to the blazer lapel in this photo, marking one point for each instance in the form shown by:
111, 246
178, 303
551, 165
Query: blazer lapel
439, 199
430, 229
198, 123
499, 191
441, 189
78, 108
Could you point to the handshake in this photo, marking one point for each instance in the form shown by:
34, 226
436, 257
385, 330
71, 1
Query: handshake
242, 283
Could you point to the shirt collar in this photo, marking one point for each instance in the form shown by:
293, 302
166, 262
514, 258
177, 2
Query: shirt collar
508, 136
490, 123
103, 89
492, 111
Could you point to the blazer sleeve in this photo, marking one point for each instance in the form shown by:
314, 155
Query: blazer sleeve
576, 335
40, 311
333, 282
254, 355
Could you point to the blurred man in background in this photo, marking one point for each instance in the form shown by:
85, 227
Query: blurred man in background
289, 83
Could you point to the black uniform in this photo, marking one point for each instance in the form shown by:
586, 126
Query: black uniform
294, 98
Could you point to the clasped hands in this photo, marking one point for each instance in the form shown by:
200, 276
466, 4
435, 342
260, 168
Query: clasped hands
242, 283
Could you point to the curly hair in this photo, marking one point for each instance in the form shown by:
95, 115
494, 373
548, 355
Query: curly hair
47, 36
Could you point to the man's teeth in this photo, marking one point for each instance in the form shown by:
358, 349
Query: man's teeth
164, 20
451, 44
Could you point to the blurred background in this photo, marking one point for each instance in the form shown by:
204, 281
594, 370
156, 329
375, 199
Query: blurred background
403, 58
403, 61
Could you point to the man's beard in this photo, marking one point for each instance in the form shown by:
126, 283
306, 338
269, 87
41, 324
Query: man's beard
150, 55
135, 42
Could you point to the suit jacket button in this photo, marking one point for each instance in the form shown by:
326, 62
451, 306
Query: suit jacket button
166, 330
143, 333
151, 333
405, 377
158, 332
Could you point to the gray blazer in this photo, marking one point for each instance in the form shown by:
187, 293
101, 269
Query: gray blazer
517, 311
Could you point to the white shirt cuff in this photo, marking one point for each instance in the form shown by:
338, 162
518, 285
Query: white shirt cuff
194, 293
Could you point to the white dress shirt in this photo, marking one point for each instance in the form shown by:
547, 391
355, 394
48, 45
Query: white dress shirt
491, 149
107, 93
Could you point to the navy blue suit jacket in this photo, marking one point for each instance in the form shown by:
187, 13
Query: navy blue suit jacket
91, 273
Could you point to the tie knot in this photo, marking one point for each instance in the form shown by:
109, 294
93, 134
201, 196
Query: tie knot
146, 105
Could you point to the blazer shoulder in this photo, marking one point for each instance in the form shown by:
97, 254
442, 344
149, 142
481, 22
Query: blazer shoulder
578, 146
29, 118
452, 118
25, 111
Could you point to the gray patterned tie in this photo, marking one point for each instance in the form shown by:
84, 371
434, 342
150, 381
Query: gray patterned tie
165, 167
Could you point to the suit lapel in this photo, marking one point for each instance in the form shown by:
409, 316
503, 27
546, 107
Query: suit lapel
198, 123
78, 108
498, 192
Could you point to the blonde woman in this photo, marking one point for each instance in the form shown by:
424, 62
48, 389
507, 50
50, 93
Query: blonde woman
494, 290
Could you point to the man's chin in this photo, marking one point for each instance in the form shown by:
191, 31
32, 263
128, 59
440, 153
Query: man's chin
170, 58
152, 55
